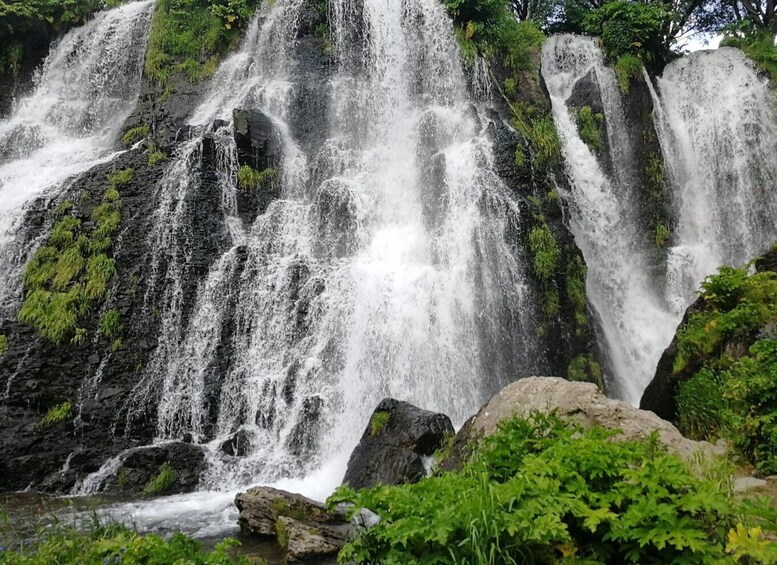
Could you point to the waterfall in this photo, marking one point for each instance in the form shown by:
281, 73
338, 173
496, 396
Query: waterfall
717, 130
86, 89
384, 268
635, 324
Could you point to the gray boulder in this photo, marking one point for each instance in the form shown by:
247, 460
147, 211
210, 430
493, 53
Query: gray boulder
578, 402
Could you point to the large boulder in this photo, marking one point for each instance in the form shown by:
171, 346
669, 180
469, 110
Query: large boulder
582, 403
303, 527
392, 448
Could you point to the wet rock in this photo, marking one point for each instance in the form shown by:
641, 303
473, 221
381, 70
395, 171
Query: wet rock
586, 93
744, 484
303, 542
238, 445
335, 216
142, 465
392, 447
258, 142
260, 508
304, 436
579, 402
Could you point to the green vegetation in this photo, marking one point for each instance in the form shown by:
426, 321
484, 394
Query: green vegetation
59, 413
378, 422
589, 126
576, 273
628, 68
544, 252
3, 344
25, 25
631, 28
110, 323
155, 157
662, 235
112, 543
162, 482
281, 535
759, 46
733, 390
542, 491
71, 272
188, 37
251, 179
545, 141
584, 368
133, 135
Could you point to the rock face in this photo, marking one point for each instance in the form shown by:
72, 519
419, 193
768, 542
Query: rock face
582, 403
392, 447
302, 526
659, 396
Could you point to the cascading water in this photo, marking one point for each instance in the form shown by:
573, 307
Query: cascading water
717, 129
383, 269
86, 89
717, 122
604, 220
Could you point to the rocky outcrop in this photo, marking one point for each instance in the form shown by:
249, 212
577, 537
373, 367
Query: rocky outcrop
393, 446
303, 527
181, 463
659, 396
582, 403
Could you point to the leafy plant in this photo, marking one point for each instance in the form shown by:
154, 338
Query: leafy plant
540, 491
630, 28
112, 543
731, 345
58, 413
662, 235
162, 482
584, 368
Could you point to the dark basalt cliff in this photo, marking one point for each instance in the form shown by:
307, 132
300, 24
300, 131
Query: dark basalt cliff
101, 378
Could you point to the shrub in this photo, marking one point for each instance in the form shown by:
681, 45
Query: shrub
733, 393
627, 69
189, 36
545, 141
110, 323
133, 135
662, 235
67, 275
544, 251
251, 179
589, 126
542, 491
161, 482
59, 413
631, 28
113, 543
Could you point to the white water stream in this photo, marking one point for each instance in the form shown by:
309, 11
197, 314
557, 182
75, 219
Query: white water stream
717, 129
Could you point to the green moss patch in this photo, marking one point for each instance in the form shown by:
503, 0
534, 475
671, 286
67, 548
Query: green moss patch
56, 414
